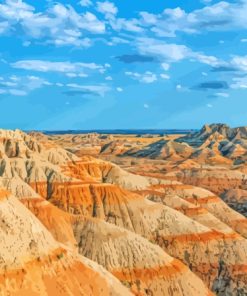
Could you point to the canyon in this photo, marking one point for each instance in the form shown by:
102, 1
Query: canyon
120, 214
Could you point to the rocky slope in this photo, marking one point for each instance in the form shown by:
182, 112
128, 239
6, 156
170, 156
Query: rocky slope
236, 199
162, 150
64, 192
33, 263
156, 235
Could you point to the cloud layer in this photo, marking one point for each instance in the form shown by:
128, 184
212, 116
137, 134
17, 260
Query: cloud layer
157, 60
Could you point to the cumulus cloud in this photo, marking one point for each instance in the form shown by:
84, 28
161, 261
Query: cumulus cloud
107, 8
59, 24
85, 3
205, 59
172, 52
220, 16
147, 77
23, 85
236, 64
62, 25
122, 24
240, 62
148, 18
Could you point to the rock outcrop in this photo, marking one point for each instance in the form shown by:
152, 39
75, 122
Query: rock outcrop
153, 231
33, 263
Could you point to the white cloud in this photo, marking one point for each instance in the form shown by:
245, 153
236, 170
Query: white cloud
68, 68
4, 27
206, 1
71, 75
34, 82
223, 95
107, 8
12, 9
117, 40
59, 24
118, 24
119, 89
146, 77
122, 24
8, 83
108, 78
178, 86
26, 43
149, 77
239, 83
165, 66
148, 18
172, 52
204, 59
17, 92
240, 62
22, 85
85, 3
74, 75
176, 13
14, 78
165, 76
220, 16
94, 89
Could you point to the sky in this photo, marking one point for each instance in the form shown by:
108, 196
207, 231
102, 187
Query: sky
84, 64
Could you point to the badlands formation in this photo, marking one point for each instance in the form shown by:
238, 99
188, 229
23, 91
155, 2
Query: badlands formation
93, 214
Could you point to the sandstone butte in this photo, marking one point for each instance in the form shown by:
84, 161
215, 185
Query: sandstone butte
82, 225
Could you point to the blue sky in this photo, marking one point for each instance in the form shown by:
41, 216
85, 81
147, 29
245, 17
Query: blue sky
122, 64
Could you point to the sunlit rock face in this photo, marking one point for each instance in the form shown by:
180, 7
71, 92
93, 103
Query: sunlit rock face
143, 216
